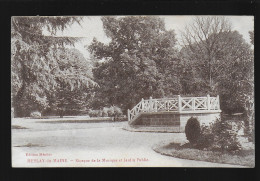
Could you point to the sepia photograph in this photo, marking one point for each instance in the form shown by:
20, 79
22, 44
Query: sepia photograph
132, 91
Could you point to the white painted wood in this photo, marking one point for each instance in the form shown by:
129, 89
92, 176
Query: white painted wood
176, 104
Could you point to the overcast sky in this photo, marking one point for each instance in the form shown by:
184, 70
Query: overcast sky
91, 27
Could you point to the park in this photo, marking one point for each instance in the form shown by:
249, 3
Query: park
82, 142
142, 91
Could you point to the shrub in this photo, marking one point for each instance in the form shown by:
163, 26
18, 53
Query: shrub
118, 111
226, 136
220, 135
90, 113
192, 130
113, 111
110, 111
206, 136
105, 112
99, 113
93, 113
35, 114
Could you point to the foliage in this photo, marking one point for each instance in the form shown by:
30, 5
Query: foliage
187, 151
117, 111
201, 45
220, 135
73, 77
105, 112
206, 138
35, 114
112, 111
93, 113
247, 93
35, 69
218, 61
140, 61
192, 130
141, 56
226, 136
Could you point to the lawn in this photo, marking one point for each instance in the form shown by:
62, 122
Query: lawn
185, 151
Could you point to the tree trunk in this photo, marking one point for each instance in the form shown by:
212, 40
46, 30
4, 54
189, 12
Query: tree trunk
210, 76
18, 112
61, 112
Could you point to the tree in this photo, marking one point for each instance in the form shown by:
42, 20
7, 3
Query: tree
33, 63
246, 90
73, 75
138, 62
200, 41
231, 67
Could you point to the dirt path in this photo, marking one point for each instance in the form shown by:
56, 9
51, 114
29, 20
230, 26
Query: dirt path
91, 145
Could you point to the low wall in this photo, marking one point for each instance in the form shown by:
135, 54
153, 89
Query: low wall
159, 119
203, 118
174, 120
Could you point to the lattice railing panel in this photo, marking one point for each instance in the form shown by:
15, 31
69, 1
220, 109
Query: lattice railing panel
214, 103
186, 104
201, 103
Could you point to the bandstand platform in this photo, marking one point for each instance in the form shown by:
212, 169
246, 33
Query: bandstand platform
172, 114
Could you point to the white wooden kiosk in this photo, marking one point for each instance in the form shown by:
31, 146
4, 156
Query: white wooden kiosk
173, 112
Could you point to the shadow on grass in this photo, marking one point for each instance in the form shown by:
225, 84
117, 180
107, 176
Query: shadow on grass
81, 121
30, 145
75, 121
18, 127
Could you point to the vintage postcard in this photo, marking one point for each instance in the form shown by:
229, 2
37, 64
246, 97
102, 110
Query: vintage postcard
132, 91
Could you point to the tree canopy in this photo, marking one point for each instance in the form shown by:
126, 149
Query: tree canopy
35, 69
202, 43
220, 62
140, 61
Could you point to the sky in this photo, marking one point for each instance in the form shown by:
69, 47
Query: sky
91, 27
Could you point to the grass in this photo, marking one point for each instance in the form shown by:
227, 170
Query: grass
244, 157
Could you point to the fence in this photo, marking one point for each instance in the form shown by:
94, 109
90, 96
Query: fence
176, 104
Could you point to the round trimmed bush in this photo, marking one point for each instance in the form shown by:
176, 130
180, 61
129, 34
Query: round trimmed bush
192, 130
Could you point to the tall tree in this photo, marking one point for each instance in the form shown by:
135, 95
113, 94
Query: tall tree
137, 63
246, 90
233, 66
32, 61
73, 76
229, 67
200, 39
231, 70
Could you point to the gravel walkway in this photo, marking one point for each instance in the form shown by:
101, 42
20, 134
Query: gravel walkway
106, 144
